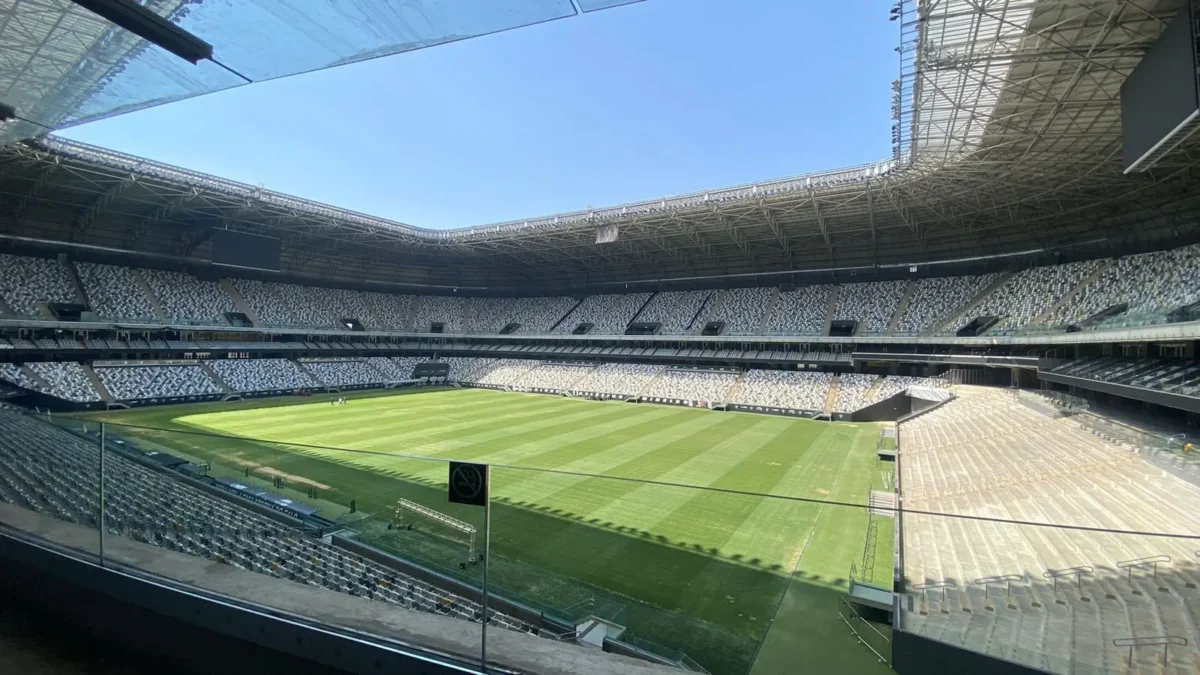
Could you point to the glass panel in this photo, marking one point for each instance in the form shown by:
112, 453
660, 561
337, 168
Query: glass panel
311, 34
50, 478
81, 67
317, 516
150, 76
723, 542
593, 5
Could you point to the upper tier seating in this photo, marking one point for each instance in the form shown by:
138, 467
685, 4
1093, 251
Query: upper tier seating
935, 299
1029, 293
609, 314
871, 304
140, 382
535, 315
1152, 283
262, 374
741, 309
673, 309
387, 311
187, 299
797, 390
115, 292
286, 304
26, 282
800, 312
431, 309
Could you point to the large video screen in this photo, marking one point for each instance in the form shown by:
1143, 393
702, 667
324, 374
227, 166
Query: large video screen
1161, 92
238, 249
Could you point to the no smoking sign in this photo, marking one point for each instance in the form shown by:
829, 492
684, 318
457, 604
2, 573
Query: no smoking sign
469, 483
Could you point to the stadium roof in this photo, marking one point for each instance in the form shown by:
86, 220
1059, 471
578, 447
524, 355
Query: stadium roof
62, 65
1007, 139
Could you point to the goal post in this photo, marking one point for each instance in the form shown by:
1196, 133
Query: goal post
404, 506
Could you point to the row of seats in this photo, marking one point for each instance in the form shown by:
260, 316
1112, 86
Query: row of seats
797, 390
26, 282
48, 470
555, 376
993, 460
138, 344
1149, 283
1029, 293
608, 314
65, 380
128, 383
1177, 376
853, 392
243, 375
789, 389
69, 380
344, 373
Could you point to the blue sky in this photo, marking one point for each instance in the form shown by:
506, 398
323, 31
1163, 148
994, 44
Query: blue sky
637, 102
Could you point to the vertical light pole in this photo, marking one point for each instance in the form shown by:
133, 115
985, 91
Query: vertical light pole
103, 430
487, 552
471, 484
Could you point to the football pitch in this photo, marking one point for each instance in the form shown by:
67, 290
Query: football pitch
701, 531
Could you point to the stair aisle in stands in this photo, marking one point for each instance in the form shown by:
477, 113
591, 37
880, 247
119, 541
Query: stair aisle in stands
151, 297
768, 311
952, 322
307, 371
901, 307
98, 384
831, 396
831, 309
208, 370
43, 385
1070, 295
732, 393
240, 302
81, 295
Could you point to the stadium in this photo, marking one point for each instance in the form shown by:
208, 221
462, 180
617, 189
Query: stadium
935, 413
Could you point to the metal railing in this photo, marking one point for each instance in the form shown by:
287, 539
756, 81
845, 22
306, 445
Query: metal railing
1006, 579
1076, 572
859, 636
1152, 562
943, 584
1165, 641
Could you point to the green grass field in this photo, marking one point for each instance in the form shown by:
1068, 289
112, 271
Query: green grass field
702, 565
